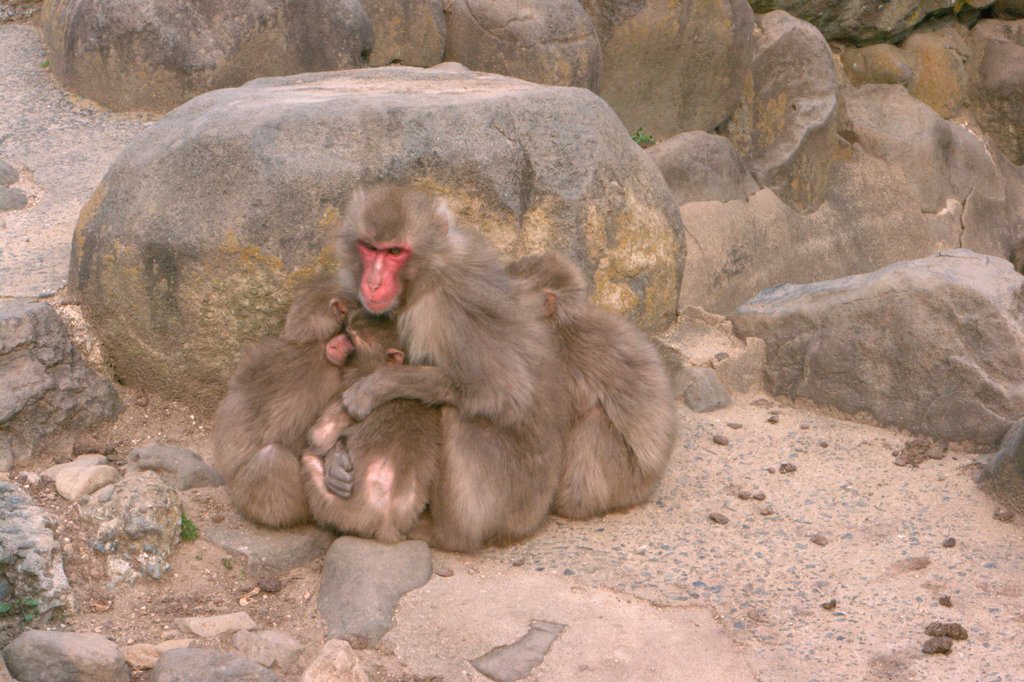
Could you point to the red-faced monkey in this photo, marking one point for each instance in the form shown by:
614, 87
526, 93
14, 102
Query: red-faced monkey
479, 345
279, 389
376, 474
623, 411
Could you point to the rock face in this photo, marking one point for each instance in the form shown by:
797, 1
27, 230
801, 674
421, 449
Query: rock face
673, 66
47, 391
409, 32
698, 166
136, 54
31, 566
1004, 472
39, 655
996, 83
181, 665
189, 247
934, 346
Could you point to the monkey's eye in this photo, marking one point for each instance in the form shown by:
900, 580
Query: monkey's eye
396, 250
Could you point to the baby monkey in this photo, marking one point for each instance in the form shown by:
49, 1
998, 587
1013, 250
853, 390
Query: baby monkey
372, 478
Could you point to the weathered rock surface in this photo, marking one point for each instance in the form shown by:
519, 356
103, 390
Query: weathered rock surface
268, 552
362, 582
511, 662
544, 41
409, 32
670, 67
139, 524
39, 655
8, 174
74, 483
1004, 471
145, 655
80, 461
268, 648
48, 392
12, 199
934, 346
180, 468
213, 626
31, 566
996, 83
135, 54
534, 167
785, 125
208, 665
1009, 8
336, 662
702, 390
698, 166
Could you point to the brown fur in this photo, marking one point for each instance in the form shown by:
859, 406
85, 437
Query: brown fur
275, 394
483, 349
624, 424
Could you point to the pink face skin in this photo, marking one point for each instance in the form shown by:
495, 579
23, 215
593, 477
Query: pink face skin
380, 286
338, 349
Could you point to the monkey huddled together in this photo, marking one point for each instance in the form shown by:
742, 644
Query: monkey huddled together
429, 390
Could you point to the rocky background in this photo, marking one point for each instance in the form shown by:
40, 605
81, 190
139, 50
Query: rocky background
821, 200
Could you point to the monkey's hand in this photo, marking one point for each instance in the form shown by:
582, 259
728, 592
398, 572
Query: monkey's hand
338, 471
363, 396
426, 384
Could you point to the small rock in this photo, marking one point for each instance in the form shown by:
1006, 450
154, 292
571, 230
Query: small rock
76, 482
79, 461
787, 468
703, 390
744, 495
804, 427
718, 518
193, 663
946, 600
269, 648
212, 626
945, 629
759, 496
269, 584
767, 510
771, 470
937, 645
444, 572
721, 356
773, 419
949, 542
336, 661
142, 655
830, 605
515, 661
1003, 514
12, 199
719, 439
8, 174
734, 425
819, 539
823, 444
518, 561
45, 655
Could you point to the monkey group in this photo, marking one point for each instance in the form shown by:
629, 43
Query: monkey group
427, 389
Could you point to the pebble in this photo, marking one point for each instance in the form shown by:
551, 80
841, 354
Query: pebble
804, 427
1004, 515
744, 494
269, 584
773, 419
721, 356
945, 600
734, 425
718, 518
759, 496
787, 468
949, 542
819, 539
830, 605
444, 572
767, 510
518, 561
823, 444
720, 439
945, 629
937, 645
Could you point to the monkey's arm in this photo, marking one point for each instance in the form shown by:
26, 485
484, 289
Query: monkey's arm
426, 384
328, 427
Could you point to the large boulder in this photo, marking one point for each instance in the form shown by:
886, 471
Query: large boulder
786, 123
934, 346
996, 83
190, 246
1003, 474
140, 54
409, 32
670, 66
698, 166
544, 41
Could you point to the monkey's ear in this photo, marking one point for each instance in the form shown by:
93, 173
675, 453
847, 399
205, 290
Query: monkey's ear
444, 216
395, 356
550, 302
339, 310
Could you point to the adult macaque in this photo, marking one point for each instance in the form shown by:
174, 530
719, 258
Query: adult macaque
479, 346
623, 410
392, 455
280, 388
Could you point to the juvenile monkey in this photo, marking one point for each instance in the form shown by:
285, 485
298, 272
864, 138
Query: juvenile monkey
623, 412
276, 393
479, 346
392, 454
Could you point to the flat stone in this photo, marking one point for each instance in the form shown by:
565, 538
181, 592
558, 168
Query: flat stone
336, 662
74, 483
44, 655
80, 461
12, 199
208, 665
268, 648
514, 661
269, 553
212, 626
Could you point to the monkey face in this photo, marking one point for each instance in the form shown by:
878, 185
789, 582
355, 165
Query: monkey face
381, 285
338, 349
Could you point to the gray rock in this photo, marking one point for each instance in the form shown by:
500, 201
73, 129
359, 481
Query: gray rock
213, 626
48, 392
996, 83
31, 566
937, 53
80, 461
1003, 474
933, 346
8, 174
136, 55
702, 391
698, 166
743, 370
209, 665
881, 64
409, 32
336, 662
785, 125
362, 582
180, 468
514, 661
544, 41
269, 648
40, 655
649, 51
1009, 8
139, 523
74, 483
270, 553
12, 199
534, 167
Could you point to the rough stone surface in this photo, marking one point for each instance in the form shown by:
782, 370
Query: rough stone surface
145, 655
996, 83
935, 346
208, 665
409, 32
534, 167
74, 483
512, 662
180, 468
939, 76
8, 174
139, 523
785, 125
30, 557
270, 553
48, 393
269, 648
544, 41
1004, 471
12, 199
336, 662
362, 583
40, 655
213, 626
702, 390
80, 461
1009, 8
135, 54
698, 166
669, 67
